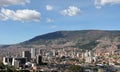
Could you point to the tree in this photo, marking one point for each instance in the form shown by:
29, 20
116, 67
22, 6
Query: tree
10, 69
75, 68
1, 65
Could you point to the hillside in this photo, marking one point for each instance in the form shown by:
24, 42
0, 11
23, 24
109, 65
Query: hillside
84, 39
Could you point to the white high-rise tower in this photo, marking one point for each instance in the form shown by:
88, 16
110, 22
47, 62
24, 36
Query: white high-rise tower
33, 52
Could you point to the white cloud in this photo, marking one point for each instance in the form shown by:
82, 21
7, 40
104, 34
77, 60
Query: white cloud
3, 17
13, 2
71, 11
100, 3
48, 20
49, 7
21, 15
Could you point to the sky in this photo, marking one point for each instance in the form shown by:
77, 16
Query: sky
22, 20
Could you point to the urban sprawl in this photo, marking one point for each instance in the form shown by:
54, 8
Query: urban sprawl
63, 60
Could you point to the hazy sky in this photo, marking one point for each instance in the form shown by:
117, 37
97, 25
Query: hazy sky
21, 20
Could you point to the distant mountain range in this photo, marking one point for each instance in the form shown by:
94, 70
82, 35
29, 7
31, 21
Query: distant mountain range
83, 39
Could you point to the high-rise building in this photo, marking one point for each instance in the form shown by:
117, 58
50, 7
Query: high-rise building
16, 63
33, 52
19, 61
7, 60
26, 54
54, 52
88, 57
39, 59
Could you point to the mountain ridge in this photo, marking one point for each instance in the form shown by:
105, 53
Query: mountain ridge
83, 39
39, 36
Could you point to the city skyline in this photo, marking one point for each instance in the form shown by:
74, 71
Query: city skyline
24, 19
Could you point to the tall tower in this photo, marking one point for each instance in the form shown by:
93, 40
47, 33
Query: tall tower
33, 52
39, 59
88, 57
26, 54
53, 51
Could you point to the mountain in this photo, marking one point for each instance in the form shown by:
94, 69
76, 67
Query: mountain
83, 39
96, 40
